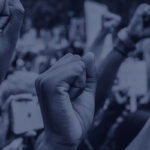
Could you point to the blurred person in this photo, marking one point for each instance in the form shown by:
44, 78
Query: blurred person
40, 64
59, 41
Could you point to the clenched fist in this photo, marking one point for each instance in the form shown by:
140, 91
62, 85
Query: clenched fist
110, 22
137, 29
11, 12
66, 94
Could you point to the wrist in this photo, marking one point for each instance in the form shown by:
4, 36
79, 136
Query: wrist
54, 143
124, 44
104, 32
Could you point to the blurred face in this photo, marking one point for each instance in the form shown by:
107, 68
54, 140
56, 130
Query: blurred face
46, 35
58, 33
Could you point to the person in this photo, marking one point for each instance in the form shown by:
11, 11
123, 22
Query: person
107, 72
66, 91
66, 95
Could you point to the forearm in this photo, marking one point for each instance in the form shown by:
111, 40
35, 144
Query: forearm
98, 46
50, 144
109, 68
106, 76
141, 142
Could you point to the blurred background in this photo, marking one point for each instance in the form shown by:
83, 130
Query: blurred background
52, 28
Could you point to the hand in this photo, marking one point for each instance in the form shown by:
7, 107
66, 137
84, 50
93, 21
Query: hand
110, 22
10, 22
136, 28
15, 11
66, 95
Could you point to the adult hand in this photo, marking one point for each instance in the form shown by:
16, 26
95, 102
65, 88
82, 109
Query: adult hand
110, 22
66, 93
10, 24
136, 29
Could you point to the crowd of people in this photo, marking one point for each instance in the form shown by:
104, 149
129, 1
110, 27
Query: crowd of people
58, 94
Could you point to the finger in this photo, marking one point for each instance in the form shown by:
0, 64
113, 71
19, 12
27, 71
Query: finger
69, 73
16, 19
112, 16
78, 84
64, 61
67, 59
66, 74
142, 10
89, 60
17, 4
72, 75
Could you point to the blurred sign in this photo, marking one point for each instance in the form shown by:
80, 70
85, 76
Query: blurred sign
26, 114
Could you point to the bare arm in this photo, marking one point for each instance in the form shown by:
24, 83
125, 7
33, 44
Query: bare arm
128, 37
106, 76
110, 22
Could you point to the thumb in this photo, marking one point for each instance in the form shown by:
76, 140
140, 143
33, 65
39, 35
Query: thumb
4, 13
89, 61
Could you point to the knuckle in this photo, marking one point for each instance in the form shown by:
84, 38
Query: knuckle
82, 65
18, 12
142, 8
77, 57
79, 67
69, 54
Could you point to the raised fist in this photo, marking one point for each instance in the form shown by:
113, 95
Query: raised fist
137, 28
11, 12
110, 22
66, 94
